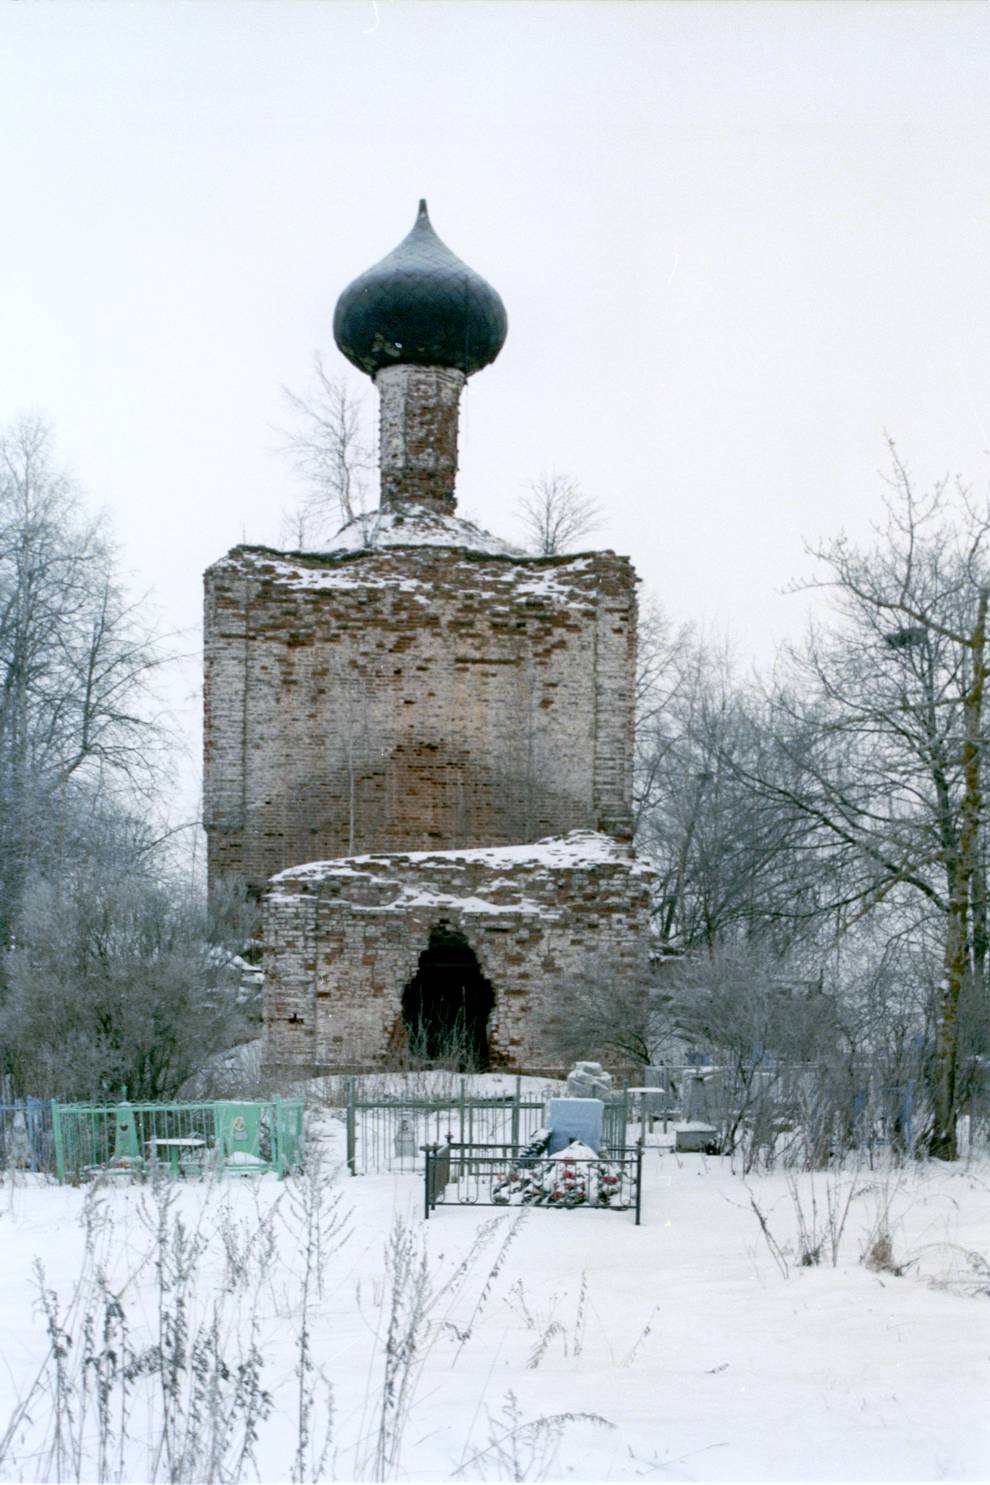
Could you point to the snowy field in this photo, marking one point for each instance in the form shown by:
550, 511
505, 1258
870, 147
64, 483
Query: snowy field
319, 1328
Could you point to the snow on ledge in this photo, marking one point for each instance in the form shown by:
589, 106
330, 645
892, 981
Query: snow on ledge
290, 571
524, 574
580, 850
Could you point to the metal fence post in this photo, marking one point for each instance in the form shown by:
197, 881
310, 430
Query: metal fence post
426, 1183
461, 1111
33, 1127
57, 1141
639, 1180
351, 1129
516, 1100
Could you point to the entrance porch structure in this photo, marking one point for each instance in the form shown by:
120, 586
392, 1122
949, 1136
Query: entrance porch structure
472, 951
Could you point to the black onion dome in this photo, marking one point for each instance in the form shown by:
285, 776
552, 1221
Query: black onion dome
420, 306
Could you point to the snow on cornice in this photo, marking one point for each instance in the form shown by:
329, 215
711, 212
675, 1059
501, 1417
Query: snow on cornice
581, 850
522, 576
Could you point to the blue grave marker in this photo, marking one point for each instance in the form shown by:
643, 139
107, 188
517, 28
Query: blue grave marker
575, 1119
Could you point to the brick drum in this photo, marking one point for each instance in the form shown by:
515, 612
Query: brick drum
417, 433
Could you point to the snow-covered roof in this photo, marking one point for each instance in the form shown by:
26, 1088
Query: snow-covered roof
567, 577
580, 849
553, 579
402, 880
416, 525
293, 573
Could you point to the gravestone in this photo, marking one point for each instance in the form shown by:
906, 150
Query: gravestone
19, 1147
589, 1080
575, 1119
697, 1133
405, 1139
696, 1101
125, 1135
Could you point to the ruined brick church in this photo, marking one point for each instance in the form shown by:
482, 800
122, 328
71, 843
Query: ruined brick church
419, 743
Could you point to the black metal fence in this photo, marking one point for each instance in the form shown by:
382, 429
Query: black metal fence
499, 1175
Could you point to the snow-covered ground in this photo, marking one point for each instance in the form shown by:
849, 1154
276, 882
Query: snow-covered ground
574, 1345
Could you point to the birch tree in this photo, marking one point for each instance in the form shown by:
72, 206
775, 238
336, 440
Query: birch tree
121, 975
330, 451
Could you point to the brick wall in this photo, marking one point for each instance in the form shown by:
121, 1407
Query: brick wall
343, 938
412, 698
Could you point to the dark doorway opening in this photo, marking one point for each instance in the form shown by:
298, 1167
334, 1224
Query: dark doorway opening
447, 1003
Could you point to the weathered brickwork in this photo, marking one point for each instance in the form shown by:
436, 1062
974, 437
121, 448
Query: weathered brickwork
417, 433
343, 938
440, 725
413, 698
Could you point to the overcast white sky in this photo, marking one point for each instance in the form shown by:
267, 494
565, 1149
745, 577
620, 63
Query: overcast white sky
736, 243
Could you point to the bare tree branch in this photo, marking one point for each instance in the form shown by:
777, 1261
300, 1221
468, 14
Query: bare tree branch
330, 452
555, 512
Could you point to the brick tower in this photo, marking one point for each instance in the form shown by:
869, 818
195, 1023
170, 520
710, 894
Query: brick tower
418, 744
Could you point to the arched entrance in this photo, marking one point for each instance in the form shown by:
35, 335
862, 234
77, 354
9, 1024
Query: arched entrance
446, 1005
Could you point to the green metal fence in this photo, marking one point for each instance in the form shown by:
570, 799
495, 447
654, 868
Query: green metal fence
225, 1137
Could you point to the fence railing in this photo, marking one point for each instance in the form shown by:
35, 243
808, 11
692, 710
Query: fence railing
498, 1175
389, 1132
763, 1100
26, 1141
186, 1139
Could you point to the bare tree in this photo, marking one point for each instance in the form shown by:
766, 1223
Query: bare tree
727, 857
331, 453
77, 659
876, 743
555, 512
121, 975
622, 1020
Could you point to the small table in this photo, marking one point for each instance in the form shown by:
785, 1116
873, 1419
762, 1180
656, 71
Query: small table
174, 1149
